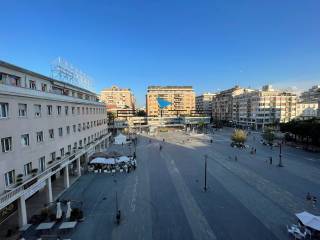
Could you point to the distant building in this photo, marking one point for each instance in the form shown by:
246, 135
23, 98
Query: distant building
222, 103
312, 95
118, 99
182, 100
204, 103
306, 110
260, 108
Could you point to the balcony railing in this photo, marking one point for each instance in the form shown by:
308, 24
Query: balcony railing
41, 94
18, 191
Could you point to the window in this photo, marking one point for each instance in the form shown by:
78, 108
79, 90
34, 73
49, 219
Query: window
43, 87
60, 132
6, 144
37, 110
82, 110
42, 163
68, 129
53, 156
9, 178
51, 133
27, 168
80, 143
83, 126
74, 128
66, 110
59, 110
61, 152
87, 110
49, 109
4, 107
39, 137
69, 148
79, 127
25, 140
32, 84
22, 110
78, 110
73, 110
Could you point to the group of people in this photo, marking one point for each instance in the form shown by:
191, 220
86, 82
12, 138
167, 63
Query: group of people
312, 199
253, 150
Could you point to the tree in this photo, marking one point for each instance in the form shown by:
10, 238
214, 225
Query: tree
141, 113
268, 135
239, 136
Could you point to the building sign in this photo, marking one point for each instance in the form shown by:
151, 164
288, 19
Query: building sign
8, 210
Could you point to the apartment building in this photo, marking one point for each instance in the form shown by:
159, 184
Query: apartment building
47, 128
204, 103
306, 110
117, 98
222, 103
260, 108
310, 97
182, 99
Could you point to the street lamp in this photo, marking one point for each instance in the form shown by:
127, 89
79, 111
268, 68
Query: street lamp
205, 172
280, 156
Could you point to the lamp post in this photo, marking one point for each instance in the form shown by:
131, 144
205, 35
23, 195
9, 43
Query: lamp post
205, 172
280, 156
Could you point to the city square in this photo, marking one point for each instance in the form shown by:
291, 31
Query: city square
164, 197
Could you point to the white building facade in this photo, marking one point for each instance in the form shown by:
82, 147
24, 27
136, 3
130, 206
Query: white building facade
46, 127
261, 108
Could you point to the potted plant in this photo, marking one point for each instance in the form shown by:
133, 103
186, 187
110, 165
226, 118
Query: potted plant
19, 181
34, 171
20, 175
58, 158
67, 153
50, 162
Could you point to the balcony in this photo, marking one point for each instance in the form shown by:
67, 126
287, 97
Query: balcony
27, 92
15, 191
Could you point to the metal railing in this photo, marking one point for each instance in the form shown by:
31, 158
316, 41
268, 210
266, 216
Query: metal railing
15, 193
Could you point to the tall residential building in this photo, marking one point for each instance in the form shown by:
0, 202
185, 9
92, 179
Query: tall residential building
117, 98
204, 103
260, 108
182, 100
48, 128
306, 110
312, 95
222, 103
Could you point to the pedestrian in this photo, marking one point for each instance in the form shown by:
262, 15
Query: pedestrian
122, 144
270, 160
308, 197
134, 155
314, 201
236, 158
255, 151
118, 216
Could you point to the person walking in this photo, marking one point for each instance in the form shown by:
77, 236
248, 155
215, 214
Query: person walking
236, 158
270, 160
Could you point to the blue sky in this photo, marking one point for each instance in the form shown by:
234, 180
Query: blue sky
211, 45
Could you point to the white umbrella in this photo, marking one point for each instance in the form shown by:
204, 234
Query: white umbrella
59, 211
68, 214
309, 220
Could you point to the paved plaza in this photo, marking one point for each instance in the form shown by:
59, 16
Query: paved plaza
164, 197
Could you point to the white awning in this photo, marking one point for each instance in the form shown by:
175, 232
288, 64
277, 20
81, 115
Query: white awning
100, 160
309, 220
123, 159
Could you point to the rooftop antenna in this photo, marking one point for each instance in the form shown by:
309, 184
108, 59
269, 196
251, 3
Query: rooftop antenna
66, 72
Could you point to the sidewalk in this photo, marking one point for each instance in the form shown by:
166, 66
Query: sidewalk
34, 205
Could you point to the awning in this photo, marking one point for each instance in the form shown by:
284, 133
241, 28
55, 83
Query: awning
309, 220
99, 160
